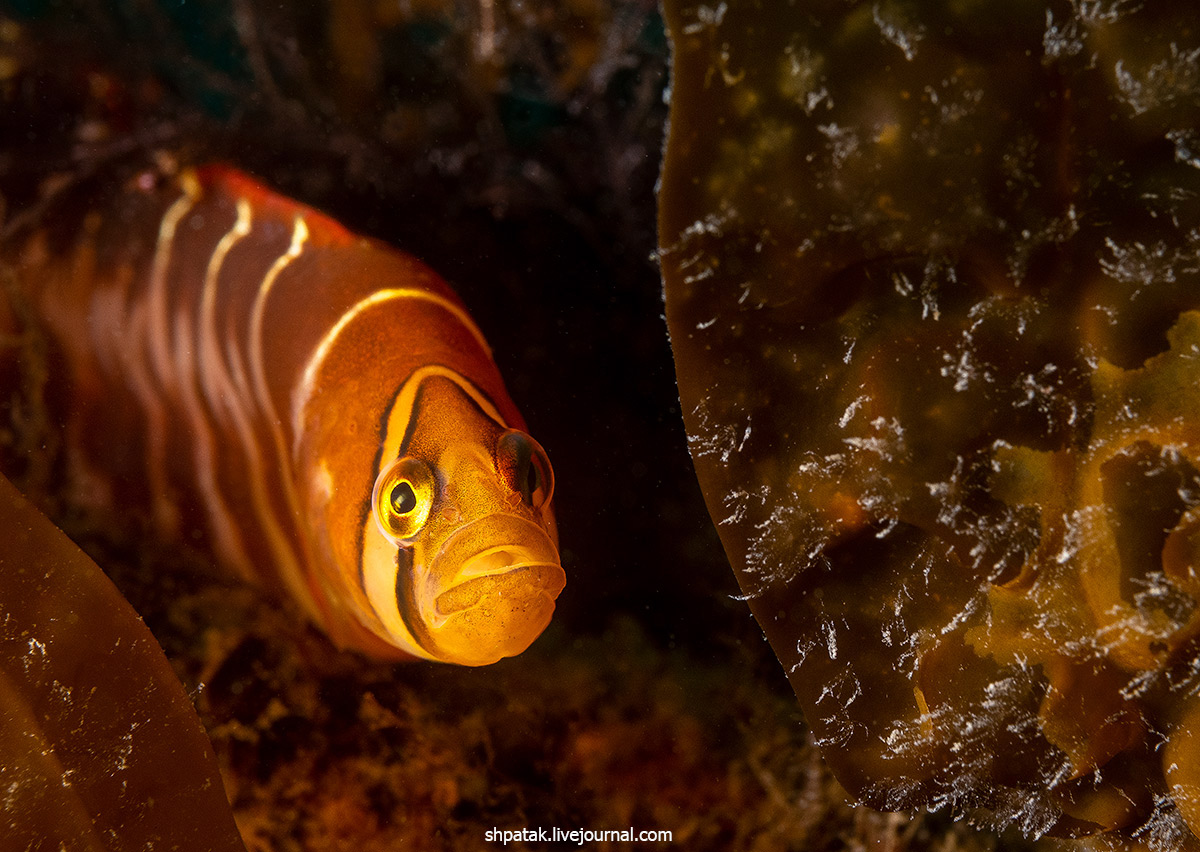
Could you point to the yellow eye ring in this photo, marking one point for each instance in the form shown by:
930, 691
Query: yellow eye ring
402, 498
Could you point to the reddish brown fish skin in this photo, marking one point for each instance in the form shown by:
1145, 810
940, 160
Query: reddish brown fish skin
222, 355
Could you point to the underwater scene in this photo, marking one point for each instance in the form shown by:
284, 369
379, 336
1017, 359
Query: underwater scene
597, 424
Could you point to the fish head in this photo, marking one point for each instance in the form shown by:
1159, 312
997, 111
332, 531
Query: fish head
459, 561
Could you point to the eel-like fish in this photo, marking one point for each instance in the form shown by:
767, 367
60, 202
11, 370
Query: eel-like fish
316, 407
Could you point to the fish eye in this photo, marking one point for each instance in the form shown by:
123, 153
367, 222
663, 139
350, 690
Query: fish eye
402, 498
523, 463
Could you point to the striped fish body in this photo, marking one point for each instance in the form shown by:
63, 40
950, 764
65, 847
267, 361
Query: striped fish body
318, 407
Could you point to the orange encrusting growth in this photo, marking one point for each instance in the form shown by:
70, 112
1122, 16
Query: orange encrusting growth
247, 351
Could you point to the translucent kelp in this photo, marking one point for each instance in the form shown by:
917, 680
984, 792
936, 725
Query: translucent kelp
933, 284
101, 747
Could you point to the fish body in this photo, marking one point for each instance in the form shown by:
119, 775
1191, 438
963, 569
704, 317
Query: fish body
318, 407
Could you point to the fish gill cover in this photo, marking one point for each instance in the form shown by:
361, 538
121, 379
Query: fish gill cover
932, 286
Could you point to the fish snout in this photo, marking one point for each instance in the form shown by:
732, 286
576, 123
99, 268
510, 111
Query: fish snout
491, 590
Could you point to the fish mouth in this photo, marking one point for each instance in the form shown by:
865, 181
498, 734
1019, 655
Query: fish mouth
491, 590
529, 579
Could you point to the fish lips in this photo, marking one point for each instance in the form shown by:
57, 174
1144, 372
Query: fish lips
491, 589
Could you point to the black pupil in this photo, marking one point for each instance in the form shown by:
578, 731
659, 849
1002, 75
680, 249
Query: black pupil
404, 500
532, 480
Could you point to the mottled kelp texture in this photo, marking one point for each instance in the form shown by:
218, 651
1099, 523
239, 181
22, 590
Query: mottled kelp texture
933, 284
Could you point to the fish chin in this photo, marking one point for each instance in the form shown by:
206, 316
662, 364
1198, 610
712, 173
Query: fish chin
488, 618
490, 602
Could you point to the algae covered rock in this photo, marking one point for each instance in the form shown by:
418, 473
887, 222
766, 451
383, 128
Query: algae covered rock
933, 286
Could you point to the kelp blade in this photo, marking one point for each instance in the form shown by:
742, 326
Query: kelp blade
934, 300
100, 747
